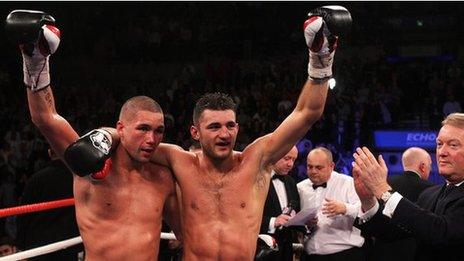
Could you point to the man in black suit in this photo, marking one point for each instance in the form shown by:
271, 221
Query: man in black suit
436, 220
417, 165
53, 182
282, 202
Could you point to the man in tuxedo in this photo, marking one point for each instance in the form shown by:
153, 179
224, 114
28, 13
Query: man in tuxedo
417, 165
436, 219
281, 203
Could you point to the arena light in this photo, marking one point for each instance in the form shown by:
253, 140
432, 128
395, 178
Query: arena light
332, 83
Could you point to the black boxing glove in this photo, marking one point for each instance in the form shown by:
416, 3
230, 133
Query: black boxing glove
38, 38
337, 18
321, 32
88, 155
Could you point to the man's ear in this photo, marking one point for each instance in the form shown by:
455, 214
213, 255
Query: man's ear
119, 127
422, 167
194, 133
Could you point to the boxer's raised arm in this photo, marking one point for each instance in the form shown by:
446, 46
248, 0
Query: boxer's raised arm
38, 38
321, 32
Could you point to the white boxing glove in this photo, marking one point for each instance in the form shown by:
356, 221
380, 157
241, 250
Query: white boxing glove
36, 55
322, 45
321, 41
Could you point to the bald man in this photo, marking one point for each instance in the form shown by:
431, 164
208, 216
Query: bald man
332, 236
417, 164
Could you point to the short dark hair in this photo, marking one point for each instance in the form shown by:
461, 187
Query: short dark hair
139, 103
216, 101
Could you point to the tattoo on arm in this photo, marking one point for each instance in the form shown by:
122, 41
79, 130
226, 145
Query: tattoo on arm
261, 181
48, 98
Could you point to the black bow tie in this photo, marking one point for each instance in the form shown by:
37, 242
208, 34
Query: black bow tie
279, 177
324, 185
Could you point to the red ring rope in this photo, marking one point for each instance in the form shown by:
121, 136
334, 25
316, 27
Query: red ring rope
36, 207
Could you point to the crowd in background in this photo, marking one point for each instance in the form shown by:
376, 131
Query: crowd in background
253, 51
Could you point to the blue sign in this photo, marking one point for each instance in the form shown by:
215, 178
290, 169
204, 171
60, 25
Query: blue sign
405, 139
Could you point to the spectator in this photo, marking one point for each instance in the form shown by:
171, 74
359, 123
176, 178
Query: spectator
417, 165
332, 235
282, 202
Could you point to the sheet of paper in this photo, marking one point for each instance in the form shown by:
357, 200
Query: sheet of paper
302, 217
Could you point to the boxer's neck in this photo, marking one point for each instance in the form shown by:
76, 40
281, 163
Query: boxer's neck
216, 165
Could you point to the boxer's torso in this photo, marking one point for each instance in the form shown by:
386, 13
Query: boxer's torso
222, 211
119, 217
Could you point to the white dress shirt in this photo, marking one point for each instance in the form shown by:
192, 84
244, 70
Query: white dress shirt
281, 195
332, 235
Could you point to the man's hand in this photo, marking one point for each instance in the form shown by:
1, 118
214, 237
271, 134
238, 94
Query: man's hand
174, 244
312, 223
367, 198
333, 207
371, 172
281, 220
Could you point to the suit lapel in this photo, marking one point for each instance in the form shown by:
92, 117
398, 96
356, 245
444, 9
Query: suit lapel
429, 200
274, 198
287, 184
455, 194
441, 205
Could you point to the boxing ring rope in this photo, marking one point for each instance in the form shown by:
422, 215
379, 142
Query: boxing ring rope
36, 207
43, 249
53, 247
58, 246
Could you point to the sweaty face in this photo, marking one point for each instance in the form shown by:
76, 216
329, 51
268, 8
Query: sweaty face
450, 153
319, 167
216, 132
141, 134
285, 164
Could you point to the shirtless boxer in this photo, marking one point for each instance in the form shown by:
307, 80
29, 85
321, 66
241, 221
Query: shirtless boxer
119, 217
223, 191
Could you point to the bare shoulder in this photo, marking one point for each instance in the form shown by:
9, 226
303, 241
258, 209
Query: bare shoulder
257, 146
160, 169
161, 173
169, 155
174, 150
256, 151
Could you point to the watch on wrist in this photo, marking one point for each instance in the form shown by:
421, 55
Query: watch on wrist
386, 196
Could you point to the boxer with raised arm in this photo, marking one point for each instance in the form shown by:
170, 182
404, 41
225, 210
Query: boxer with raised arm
223, 191
119, 217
